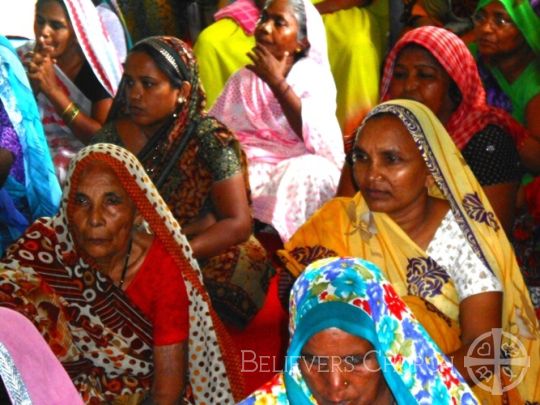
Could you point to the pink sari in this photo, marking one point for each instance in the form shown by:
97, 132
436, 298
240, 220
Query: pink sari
290, 177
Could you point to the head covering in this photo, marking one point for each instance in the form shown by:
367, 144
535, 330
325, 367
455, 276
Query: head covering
163, 150
32, 182
351, 294
90, 343
526, 16
473, 113
29, 369
95, 43
346, 227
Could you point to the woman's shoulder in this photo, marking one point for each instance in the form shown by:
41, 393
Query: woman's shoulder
108, 134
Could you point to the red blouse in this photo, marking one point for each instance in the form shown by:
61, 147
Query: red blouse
158, 290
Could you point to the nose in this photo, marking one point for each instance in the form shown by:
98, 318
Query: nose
45, 30
134, 92
336, 384
373, 172
265, 26
411, 83
95, 216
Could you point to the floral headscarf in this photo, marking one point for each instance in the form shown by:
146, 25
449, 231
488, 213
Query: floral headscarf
351, 294
473, 113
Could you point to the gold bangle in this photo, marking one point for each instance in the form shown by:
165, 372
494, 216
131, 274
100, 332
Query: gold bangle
69, 116
67, 109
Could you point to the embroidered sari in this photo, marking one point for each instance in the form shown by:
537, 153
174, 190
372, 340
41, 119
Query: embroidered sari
31, 189
290, 177
352, 294
346, 227
103, 341
184, 160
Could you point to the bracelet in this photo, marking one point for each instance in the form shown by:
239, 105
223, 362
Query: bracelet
67, 109
71, 113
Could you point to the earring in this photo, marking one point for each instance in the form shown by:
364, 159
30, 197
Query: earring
298, 50
181, 100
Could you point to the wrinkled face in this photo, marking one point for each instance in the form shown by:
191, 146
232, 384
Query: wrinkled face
419, 76
342, 368
496, 34
101, 214
52, 25
388, 167
151, 97
277, 29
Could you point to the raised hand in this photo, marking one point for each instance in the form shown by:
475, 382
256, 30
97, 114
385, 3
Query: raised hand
267, 66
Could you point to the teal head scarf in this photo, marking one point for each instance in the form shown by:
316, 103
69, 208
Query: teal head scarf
352, 295
525, 18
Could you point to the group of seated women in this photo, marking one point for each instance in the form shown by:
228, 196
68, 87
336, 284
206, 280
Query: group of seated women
408, 289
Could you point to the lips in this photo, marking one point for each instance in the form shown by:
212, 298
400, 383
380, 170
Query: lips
375, 194
135, 110
484, 43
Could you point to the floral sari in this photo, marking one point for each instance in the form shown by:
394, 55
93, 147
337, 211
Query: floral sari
353, 295
101, 338
346, 227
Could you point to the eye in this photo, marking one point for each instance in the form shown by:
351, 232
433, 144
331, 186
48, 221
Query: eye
479, 17
426, 74
280, 22
129, 81
148, 84
359, 156
39, 20
316, 363
399, 74
392, 157
57, 25
80, 199
113, 199
354, 360
502, 20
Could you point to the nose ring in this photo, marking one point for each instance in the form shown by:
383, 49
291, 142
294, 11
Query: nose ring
345, 383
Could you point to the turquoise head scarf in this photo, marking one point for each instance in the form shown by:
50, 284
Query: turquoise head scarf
352, 295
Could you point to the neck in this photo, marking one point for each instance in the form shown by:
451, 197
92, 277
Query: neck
71, 61
412, 219
511, 66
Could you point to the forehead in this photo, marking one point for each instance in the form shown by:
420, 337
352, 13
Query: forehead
141, 62
385, 130
495, 7
336, 342
99, 177
418, 55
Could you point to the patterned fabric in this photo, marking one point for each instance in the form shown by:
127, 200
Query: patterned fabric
29, 369
244, 12
238, 278
353, 295
347, 227
31, 189
290, 177
473, 114
109, 354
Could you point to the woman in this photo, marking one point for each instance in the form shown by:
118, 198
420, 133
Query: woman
110, 298
433, 66
422, 217
286, 125
507, 48
353, 340
74, 70
28, 186
29, 370
197, 165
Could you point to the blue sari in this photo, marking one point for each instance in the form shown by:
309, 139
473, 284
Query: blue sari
31, 189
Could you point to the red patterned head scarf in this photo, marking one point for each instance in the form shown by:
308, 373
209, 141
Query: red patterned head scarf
473, 113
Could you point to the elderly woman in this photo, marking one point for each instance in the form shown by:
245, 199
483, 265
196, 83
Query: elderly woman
29, 188
353, 340
197, 166
433, 66
285, 123
115, 302
423, 218
74, 70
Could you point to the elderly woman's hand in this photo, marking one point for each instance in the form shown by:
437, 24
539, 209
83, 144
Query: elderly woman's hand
265, 65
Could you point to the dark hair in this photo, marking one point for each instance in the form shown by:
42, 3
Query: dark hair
61, 2
161, 61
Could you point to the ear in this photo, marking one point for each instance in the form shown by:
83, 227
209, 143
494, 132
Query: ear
185, 90
301, 46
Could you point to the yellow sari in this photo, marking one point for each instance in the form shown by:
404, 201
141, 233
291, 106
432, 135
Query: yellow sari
346, 227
